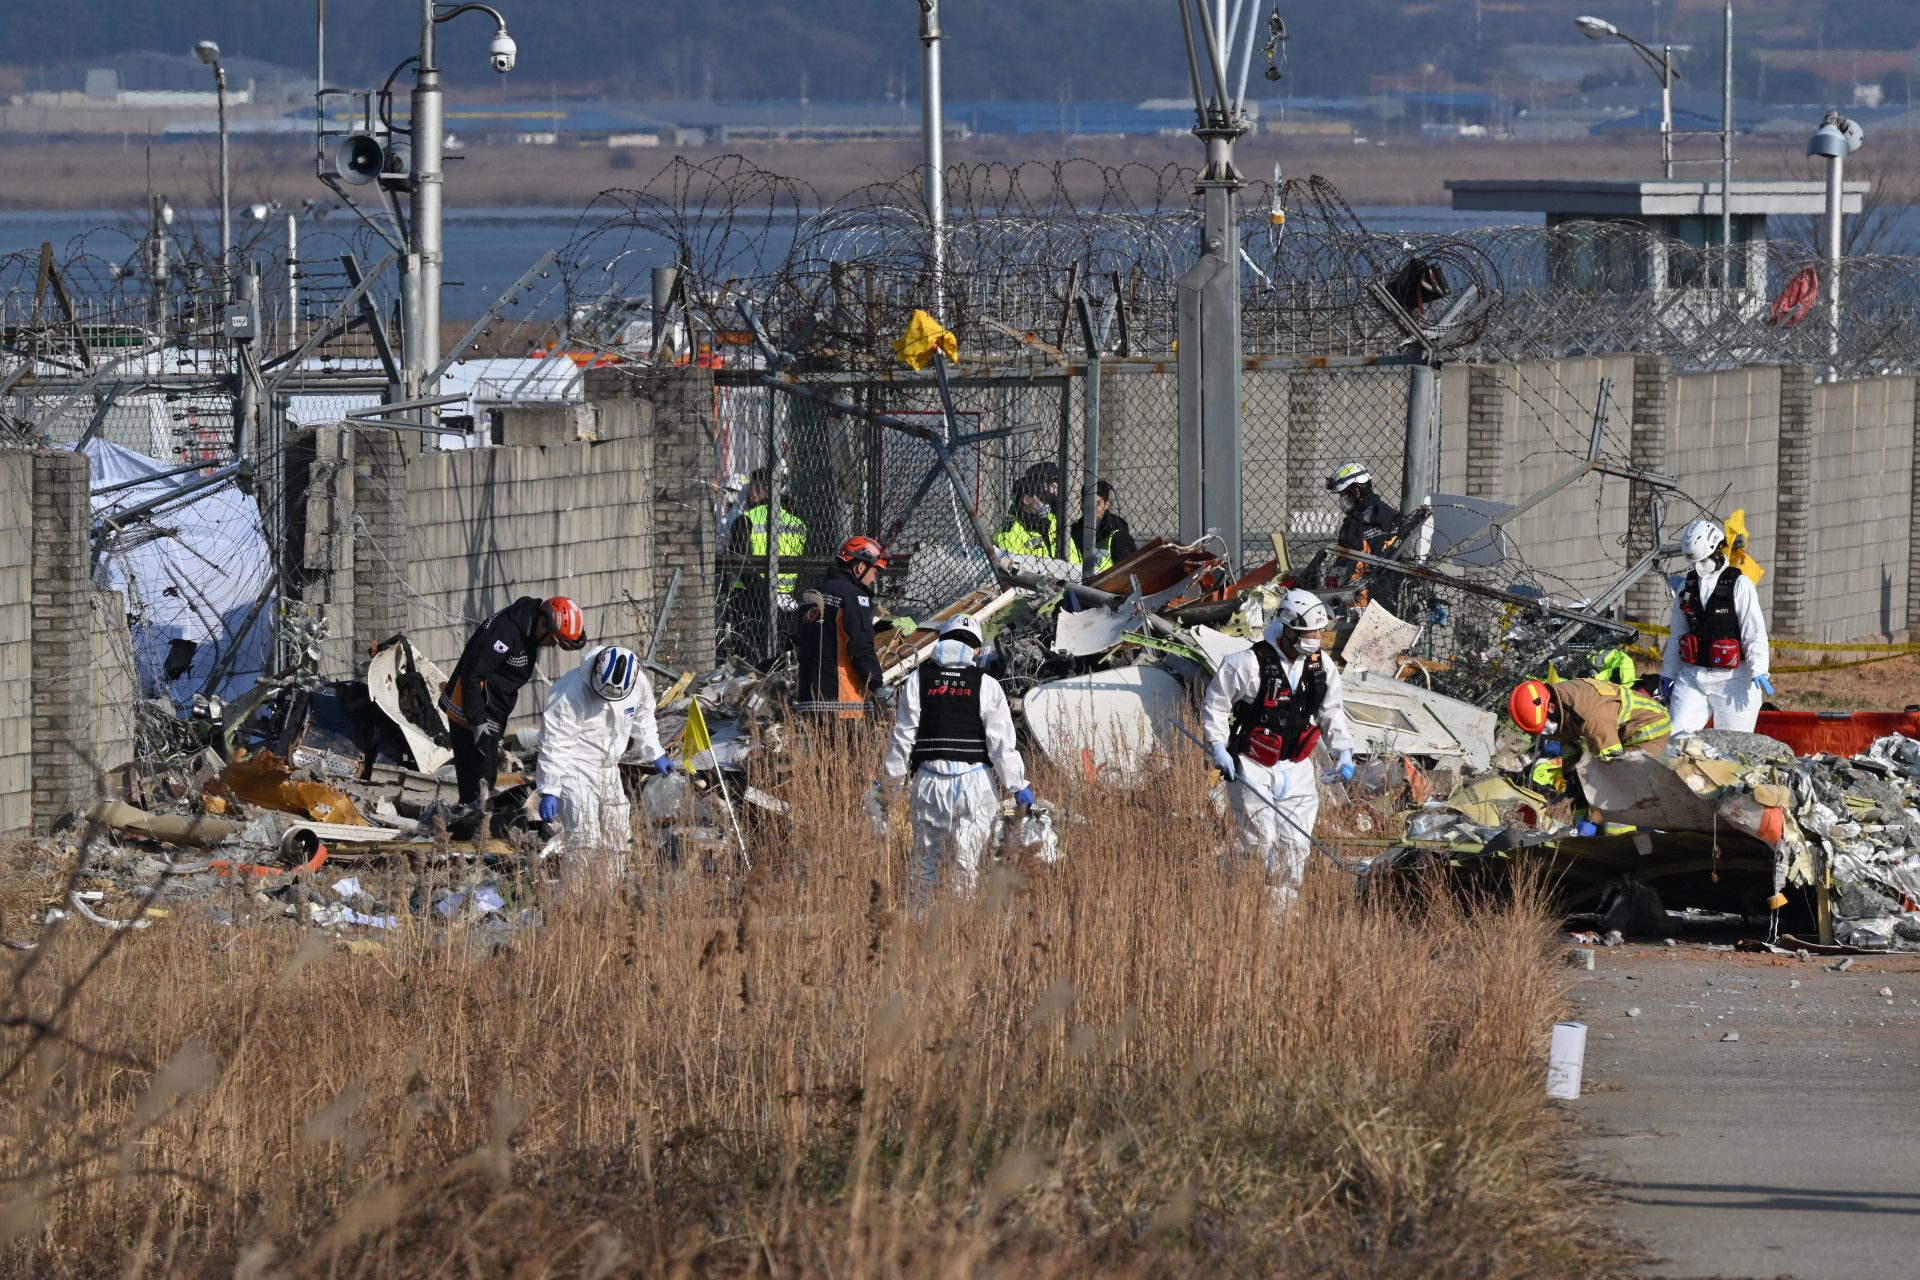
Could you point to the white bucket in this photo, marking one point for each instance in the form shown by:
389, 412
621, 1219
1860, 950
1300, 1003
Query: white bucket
1565, 1060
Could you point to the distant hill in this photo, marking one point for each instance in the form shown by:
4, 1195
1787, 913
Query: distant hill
865, 49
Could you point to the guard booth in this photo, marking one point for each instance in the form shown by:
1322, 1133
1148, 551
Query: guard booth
1676, 265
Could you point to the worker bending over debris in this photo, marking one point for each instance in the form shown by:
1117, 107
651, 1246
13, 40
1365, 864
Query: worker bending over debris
485, 685
951, 722
595, 714
1592, 715
1716, 660
1589, 715
1266, 709
839, 666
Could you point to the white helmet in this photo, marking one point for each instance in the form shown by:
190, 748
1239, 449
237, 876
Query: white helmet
1348, 476
614, 672
1700, 540
959, 641
1303, 613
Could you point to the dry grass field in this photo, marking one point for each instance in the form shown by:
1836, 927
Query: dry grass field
1122, 1065
111, 173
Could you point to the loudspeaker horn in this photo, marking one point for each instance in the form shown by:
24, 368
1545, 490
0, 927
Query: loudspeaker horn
359, 159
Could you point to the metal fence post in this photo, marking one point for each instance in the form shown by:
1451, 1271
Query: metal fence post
1420, 472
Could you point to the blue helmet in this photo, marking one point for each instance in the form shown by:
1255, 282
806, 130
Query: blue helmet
614, 673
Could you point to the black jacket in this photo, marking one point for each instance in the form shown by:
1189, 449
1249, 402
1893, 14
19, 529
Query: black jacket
497, 661
1368, 525
835, 642
1114, 537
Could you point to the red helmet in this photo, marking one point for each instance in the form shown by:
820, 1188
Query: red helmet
1528, 706
860, 549
565, 623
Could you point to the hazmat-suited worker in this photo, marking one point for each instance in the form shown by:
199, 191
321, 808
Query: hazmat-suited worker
1266, 709
1716, 660
595, 714
950, 723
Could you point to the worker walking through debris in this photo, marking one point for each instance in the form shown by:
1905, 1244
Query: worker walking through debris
595, 714
951, 723
1716, 660
1266, 709
839, 666
485, 685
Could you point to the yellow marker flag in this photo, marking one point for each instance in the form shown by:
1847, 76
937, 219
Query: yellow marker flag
697, 738
1737, 547
923, 337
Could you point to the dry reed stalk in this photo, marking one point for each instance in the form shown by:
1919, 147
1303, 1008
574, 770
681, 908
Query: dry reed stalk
1123, 1064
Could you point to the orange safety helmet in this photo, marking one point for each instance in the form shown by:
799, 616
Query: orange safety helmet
860, 549
1529, 705
565, 623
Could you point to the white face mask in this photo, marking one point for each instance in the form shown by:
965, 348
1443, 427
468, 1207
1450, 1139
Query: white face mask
1308, 643
1348, 500
1550, 728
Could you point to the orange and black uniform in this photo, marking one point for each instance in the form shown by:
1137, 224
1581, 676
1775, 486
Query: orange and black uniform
838, 664
1368, 528
485, 684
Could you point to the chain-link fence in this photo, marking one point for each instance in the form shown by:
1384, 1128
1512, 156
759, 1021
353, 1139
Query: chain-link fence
840, 474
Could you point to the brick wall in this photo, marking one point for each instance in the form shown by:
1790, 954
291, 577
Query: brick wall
486, 526
1652, 416
16, 646
1858, 542
1723, 446
673, 409
63, 778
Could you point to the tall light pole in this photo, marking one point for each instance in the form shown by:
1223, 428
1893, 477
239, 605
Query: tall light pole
427, 252
1726, 156
933, 175
1209, 437
209, 52
1836, 139
1662, 64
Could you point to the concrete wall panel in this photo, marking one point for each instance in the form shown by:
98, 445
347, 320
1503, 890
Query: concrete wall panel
1859, 546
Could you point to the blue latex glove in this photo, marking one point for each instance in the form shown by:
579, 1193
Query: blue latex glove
1224, 763
664, 765
1552, 747
1024, 797
1342, 768
1764, 685
1585, 828
1666, 689
549, 808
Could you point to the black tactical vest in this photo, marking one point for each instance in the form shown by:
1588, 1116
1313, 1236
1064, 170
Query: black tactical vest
951, 724
1276, 710
1713, 626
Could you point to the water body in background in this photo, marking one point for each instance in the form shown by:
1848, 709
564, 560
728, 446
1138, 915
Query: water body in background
488, 249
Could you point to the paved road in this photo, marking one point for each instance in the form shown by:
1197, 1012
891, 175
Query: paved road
1793, 1151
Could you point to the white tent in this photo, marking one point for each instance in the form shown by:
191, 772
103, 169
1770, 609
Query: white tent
191, 570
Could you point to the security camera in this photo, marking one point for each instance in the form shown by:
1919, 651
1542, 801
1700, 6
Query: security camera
502, 51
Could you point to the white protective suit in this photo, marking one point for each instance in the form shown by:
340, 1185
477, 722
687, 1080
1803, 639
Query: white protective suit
1727, 694
582, 740
1291, 786
954, 803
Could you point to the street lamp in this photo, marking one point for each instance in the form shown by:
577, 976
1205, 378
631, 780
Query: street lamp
209, 52
1662, 64
1836, 139
429, 141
